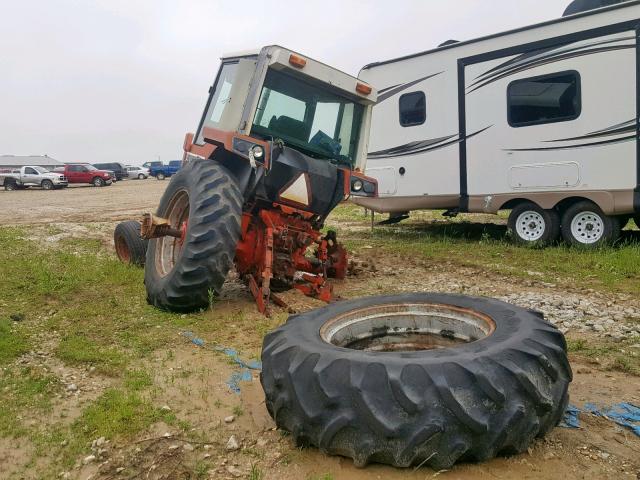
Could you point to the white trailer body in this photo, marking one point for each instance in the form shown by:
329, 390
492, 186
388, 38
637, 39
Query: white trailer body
547, 113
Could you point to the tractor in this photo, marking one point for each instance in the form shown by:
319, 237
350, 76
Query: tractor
282, 141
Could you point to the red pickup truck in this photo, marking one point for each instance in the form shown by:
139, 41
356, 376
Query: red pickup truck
85, 173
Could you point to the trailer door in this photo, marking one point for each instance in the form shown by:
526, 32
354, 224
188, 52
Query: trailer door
559, 118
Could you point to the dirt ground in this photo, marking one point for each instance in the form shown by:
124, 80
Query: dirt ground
192, 381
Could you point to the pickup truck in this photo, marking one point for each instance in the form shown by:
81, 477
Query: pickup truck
163, 171
85, 173
32, 176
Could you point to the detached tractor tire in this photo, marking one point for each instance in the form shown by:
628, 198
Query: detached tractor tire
532, 225
584, 224
130, 247
417, 379
181, 277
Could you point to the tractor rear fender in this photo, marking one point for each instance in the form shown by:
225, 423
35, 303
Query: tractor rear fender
232, 150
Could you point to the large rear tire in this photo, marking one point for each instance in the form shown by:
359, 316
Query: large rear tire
130, 247
182, 277
416, 379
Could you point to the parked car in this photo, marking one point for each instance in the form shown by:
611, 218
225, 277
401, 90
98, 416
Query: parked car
118, 169
148, 165
141, 173
85, 173
163, 171
32, 176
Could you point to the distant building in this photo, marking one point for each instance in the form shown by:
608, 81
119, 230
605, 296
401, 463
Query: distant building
17, 161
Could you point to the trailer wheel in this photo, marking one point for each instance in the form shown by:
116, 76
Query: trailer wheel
182, 275
416, 379
160, 176
532, 225
584, 224
10, 186
130, 247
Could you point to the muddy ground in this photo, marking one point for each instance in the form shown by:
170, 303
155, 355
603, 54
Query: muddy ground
191, 382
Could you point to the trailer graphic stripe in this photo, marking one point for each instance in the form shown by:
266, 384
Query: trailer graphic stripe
538, 58
545, 61
627, 128
424, 146
537, 54
394, 90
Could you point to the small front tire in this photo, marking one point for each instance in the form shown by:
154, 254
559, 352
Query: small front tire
130, 247
532, 225
584, 224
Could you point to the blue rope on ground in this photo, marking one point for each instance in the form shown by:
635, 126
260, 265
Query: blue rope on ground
242, 375
624, 414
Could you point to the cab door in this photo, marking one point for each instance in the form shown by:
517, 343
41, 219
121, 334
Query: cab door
30, 176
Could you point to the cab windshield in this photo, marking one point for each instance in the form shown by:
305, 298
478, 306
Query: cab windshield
313, 119
41, 170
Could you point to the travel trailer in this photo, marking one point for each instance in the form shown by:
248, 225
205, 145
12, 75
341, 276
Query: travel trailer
542, 120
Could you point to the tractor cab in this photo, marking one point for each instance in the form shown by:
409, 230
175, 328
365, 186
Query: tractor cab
302, 125
283, 140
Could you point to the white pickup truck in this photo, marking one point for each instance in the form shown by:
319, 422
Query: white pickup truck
32, 176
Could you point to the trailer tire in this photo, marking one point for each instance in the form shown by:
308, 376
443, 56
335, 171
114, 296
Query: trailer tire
405, 407
205, 193
584, 224
130, 247
530, 224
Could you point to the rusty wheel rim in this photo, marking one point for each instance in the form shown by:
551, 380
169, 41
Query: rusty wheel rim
169, 249
407, 328
122, 249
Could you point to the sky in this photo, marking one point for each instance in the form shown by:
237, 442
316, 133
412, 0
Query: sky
124, 80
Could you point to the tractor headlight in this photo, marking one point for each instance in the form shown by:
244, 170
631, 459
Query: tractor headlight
357, 185
258, 152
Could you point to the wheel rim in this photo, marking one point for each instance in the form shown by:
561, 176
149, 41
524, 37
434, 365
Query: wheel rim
97, 182
407, 328
530, 226
587, 227
122, 249
169, 249
47, 185
140, 176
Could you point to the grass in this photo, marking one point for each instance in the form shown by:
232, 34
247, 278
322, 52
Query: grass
24, 392
78, 350
620, 357
615, 268
13, 342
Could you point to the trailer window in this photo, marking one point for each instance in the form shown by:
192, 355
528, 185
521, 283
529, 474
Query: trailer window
546, 99
413, 109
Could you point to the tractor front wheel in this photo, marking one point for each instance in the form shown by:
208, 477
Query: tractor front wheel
204, 201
